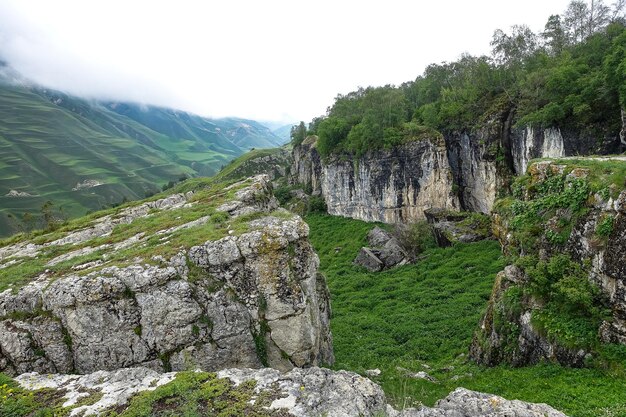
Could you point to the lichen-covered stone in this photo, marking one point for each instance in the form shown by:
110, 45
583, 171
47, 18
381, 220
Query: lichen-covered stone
465, 403
251, 299
310, 392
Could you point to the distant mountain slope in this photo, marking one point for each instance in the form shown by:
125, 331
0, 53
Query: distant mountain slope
249, 134
49, 153
283, 132
83, 154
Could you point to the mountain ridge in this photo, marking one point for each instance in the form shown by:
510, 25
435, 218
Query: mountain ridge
84, 154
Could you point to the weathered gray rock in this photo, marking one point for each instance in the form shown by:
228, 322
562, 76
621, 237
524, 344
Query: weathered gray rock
248, 300
390, 186
117, 387
306, 168
465, 403
307, 392
393, 254
386, 252
474, 169
450, 227
368, 260
377, 237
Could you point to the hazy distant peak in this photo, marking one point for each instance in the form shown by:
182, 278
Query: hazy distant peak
8, 75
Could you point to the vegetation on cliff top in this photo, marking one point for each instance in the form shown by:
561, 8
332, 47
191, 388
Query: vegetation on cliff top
535, 226
160, 233
570, 76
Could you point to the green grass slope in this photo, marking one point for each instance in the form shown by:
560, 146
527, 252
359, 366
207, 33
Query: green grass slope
425, 314
50, 142
255, 162
47, 150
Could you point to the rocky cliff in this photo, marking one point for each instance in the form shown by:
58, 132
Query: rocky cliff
564, 299
391, 186
212, 278
485, 159
470, 171
306, 168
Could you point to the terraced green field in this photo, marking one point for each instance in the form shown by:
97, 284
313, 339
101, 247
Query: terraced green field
50, 143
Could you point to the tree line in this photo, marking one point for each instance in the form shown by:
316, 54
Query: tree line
570, 75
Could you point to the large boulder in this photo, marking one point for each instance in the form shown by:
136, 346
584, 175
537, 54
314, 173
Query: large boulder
385, 252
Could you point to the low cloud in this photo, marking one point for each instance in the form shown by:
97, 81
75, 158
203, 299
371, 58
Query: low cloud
276, 60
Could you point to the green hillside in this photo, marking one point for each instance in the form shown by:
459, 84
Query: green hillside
422, 317
83, 155
284, 132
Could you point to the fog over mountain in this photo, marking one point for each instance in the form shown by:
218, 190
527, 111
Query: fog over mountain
278, 60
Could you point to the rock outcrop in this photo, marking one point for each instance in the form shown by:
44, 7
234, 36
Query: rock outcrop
450, 227
308, 392
470, 171
223, 279
390, 186
511, 338
306, 168
384, 252
586, 226
472, 160
536, 143
272, 162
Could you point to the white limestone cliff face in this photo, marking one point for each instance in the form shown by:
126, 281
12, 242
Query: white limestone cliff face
390, 186
475, 172
249, 299
536, 143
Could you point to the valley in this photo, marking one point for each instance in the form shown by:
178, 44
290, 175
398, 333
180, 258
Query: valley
83, 155
422, 318
451, 246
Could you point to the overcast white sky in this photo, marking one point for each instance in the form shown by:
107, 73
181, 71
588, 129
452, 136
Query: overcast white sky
261, 59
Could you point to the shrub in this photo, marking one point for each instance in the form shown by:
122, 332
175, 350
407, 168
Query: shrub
317, 204
283, 194
604, 227
415, 237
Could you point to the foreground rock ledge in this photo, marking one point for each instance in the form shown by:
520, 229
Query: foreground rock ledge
251, 298
299, 392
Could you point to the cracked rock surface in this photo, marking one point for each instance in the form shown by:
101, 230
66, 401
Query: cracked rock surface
250, 299
309, 392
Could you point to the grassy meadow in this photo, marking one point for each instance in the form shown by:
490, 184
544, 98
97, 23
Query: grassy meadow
422, 318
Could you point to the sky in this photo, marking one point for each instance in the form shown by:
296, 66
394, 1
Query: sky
268, 60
